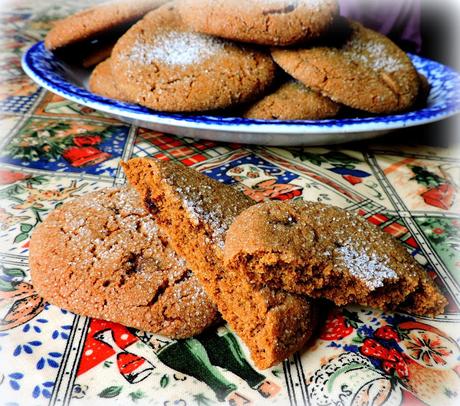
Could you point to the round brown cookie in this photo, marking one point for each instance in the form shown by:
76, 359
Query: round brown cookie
96, 21
265, 22
101, 255
102, 82
292, 101
367, 71
324, 251
161, 64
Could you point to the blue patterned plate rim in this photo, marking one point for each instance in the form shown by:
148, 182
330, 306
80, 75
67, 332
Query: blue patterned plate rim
444, 101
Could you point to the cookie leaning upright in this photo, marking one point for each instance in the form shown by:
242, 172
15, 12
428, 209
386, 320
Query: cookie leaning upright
101, 255
264, 22
196, 211
324, 251
366, 70
160, 63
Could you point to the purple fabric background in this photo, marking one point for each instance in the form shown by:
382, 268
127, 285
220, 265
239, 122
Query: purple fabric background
398, 19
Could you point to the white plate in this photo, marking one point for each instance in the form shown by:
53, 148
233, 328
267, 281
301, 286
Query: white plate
444, 101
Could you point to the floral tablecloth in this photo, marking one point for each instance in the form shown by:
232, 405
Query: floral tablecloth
52, 150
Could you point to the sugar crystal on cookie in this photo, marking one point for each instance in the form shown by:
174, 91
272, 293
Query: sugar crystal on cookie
214, 217
370, 269
373, 54
177, 49
290, 5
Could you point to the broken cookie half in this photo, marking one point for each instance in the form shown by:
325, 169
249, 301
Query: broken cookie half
324, 251
196, 212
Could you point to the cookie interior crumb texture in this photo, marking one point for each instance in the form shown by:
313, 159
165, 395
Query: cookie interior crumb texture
196, 212
324, 251
102, 255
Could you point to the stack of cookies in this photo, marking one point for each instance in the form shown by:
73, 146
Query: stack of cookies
173, 249
263, 59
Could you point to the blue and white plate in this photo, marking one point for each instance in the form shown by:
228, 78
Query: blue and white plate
444, 101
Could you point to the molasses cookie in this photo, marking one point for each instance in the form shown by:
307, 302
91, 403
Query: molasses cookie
265, 22
292, 101
98, 21
102, 255
324, 251
196, 211
160, 63
365, 71
102, 82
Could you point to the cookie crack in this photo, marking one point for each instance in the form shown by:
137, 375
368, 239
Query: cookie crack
285, 10
165, 285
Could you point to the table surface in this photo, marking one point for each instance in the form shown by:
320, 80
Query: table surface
52, 150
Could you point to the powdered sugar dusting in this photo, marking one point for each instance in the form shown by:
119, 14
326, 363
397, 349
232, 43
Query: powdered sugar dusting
177, 49
373, 54
312, 4
213, 218
370, 269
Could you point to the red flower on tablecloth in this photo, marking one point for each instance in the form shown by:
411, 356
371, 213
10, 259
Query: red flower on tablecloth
438, 230
75, 142
429, 347
399, 357
430, 351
